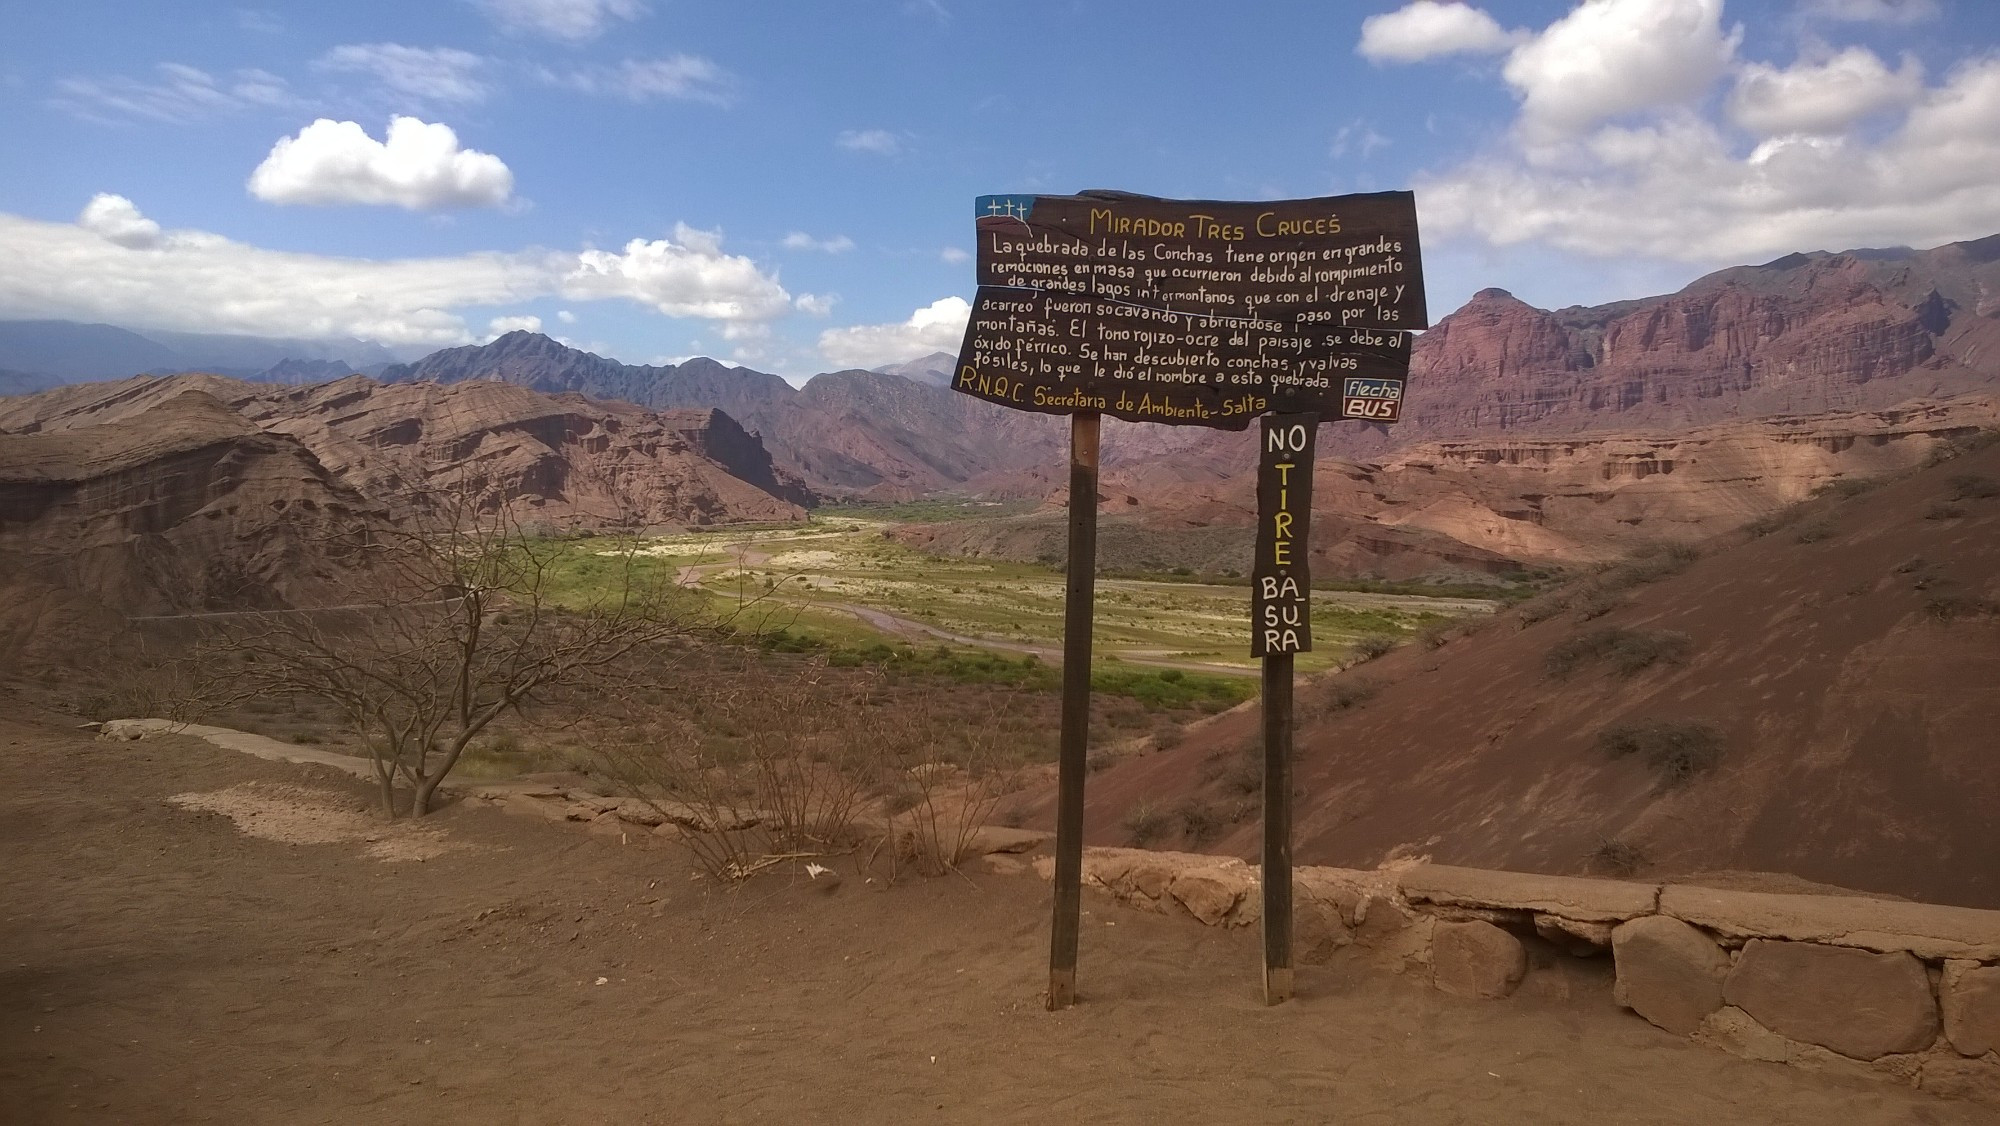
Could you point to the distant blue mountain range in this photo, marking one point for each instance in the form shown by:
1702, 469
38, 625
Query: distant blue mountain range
39, 354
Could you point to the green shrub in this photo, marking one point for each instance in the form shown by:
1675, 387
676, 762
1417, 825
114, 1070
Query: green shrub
1628, 651
1676, 751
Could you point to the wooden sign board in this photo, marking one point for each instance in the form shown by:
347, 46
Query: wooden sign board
1280, 578
1194, 312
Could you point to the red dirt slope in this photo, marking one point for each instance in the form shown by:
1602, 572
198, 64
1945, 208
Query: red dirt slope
1849, 662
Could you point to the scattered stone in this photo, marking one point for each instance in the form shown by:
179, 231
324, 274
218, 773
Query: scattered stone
1859, 1004
1668, 972
1971, 996
1208, 895
1476, 960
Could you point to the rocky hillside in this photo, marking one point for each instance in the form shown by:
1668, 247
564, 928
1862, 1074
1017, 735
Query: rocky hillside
181, 504
1816, 699
878, 434
568, 457
193, 493
1457, 509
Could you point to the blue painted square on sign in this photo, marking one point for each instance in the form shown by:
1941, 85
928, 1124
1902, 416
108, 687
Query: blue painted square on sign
1374, 389
1003, 206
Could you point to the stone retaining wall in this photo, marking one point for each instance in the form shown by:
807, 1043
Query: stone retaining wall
1891, 990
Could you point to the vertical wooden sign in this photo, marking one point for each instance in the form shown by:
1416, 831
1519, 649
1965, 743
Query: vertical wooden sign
1281, 625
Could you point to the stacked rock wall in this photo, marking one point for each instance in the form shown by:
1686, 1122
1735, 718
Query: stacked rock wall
1893, 990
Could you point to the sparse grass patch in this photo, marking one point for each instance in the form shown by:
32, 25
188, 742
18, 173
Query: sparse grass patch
1973, 486
1676, 751
1848, 486
1946, 605
1593, 604
1336, 695
1775, 521
1543, 608
1167, 736
1628, 651
1372, 646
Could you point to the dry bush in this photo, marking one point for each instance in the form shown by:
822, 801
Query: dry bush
1372, 646
444, 623
1145, 823
1628, 651
1199, 820
1973, 486
1616, 858
1944, 510
1334, 695
759, 764
1820, 529
1593, 604
1676, 751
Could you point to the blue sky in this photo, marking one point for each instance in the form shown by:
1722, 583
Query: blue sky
789, 185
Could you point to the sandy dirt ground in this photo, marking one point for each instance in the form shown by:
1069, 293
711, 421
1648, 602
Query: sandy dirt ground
170, 953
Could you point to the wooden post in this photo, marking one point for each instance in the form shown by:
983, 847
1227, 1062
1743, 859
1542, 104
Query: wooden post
1281, 625
1080, 589
1277, 828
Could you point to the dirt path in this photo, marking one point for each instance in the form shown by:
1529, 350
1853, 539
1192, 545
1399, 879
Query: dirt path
159, 964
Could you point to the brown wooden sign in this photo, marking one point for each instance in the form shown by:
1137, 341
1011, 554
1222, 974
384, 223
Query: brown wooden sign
1194, 312
1199, 313
1280, 579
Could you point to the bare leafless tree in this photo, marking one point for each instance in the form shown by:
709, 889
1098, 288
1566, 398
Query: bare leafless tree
450, 619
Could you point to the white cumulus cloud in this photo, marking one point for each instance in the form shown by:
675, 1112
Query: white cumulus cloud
954, 256
1612, 57
1679, 189
118, 220
685, 276
816, 304
799, 240
937, 327
115, 265
1429, 28
417, 165
1824, 97
573, 21
433, 74
879, 142
501, 326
